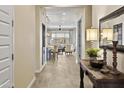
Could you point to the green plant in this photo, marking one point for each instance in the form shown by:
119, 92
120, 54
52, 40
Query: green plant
92, 52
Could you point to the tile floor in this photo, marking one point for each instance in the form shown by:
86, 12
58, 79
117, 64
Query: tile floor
64, 73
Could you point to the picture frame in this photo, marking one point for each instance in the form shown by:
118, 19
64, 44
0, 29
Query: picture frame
118, 29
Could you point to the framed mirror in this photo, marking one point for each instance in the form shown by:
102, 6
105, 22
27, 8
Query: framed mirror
111, 28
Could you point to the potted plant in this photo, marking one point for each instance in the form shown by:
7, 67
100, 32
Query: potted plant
92, 53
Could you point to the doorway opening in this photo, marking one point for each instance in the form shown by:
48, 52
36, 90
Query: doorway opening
60, 32
61, 46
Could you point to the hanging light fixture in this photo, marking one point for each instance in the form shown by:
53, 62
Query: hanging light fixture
60, 28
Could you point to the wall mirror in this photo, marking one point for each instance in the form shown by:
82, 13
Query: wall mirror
111, 28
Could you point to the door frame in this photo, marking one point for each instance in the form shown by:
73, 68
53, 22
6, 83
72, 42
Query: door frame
43, 42
79, 40
82, 38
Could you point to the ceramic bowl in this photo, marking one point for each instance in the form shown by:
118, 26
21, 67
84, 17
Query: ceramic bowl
97, 63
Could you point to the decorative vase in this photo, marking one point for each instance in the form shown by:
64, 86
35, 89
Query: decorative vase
93, 59
96, 63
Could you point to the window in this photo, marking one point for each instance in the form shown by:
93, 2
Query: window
60, 35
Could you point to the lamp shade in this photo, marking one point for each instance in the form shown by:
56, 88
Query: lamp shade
91, 34
107, 33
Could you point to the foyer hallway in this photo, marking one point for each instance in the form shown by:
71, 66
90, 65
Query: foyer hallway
62, 74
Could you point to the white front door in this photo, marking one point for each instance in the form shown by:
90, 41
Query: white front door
5, 46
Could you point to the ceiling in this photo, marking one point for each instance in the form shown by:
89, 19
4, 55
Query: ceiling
64, 16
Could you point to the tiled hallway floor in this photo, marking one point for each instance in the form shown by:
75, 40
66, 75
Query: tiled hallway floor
62, 74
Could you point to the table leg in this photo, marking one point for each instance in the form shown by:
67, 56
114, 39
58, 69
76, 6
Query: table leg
94, 86
81, 78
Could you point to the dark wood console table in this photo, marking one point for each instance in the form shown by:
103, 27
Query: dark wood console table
99, 79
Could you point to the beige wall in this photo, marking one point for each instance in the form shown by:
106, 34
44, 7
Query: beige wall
24, 45
88, 16
40, 18
88, 24
99, 12
37, 38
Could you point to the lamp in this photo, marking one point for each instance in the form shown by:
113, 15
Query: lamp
107, 33
91, 34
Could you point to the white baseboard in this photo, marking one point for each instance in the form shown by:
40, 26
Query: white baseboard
32, 82
38, 71
34, 78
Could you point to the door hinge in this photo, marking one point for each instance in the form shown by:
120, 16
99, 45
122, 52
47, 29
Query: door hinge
12, 56
12, 23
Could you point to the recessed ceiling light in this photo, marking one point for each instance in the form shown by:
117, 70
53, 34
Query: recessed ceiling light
63, 13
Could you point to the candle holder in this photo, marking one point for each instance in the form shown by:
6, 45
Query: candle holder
114, 69
104, 55
104, 70
104, 51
